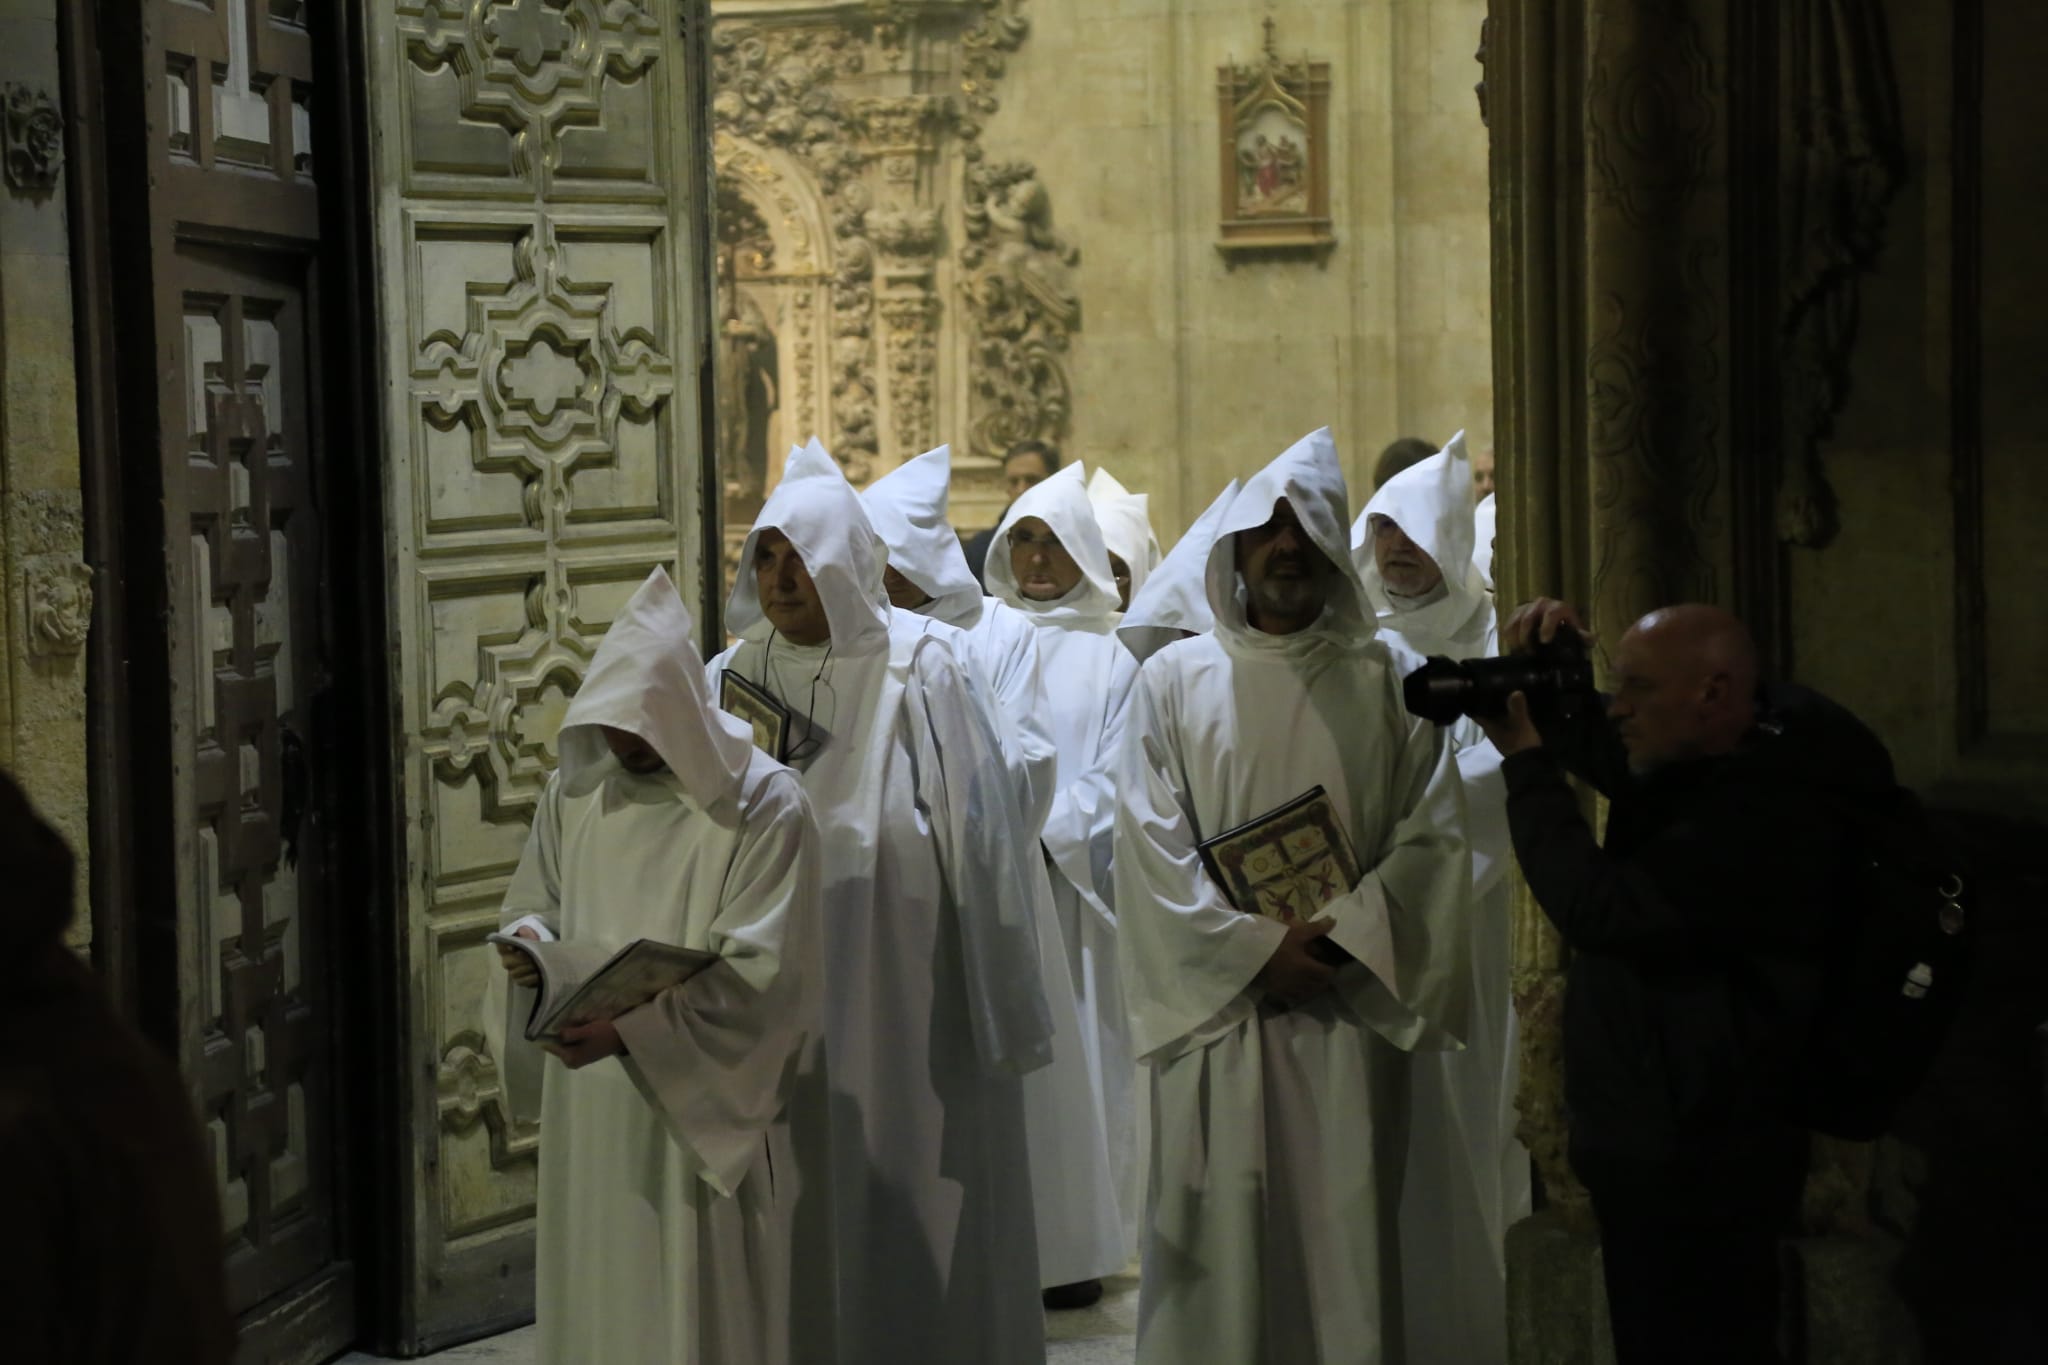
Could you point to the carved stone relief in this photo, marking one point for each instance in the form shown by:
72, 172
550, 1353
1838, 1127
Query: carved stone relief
35, 139
870, 355
59, 593
1841, 109
1022, 307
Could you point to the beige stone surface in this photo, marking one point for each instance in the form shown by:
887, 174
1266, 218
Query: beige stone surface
42, 663
1186, 370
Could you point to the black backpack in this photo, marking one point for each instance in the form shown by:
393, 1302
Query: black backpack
1892, 992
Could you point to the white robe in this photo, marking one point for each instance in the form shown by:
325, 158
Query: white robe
664, 1218
1088, 678
1468, 1176
933, 1007
1278, 1135
1080, 1236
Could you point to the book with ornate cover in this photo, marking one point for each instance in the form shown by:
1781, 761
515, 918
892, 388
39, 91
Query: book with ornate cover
757, 707
1288, 863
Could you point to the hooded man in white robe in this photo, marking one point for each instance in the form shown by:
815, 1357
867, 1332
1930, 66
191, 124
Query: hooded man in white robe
1487, 519
934, 1010
1049, 562
1468, 1177
664, 1231
1126, 521
1174, 603
1080, 1235
1278, 1050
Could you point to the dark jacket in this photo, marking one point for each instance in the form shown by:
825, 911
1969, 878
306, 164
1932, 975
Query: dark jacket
976, 550
112, 1251
1700, 937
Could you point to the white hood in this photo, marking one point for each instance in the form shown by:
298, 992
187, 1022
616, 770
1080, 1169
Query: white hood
1485, 525
1126, 521
907, 507
647, 679
1432, 504
1176, 596
1308, 476
1061, 502
818, 510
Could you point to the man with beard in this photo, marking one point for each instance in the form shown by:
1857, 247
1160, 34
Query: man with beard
1278, 1046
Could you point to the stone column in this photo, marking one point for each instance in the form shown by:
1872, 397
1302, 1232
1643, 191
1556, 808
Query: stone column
1650, 159
900, 140
49, 588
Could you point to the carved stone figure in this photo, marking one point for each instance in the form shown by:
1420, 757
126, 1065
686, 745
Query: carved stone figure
35, 140
749, 387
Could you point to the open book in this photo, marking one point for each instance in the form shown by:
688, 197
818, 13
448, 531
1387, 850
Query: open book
580, 982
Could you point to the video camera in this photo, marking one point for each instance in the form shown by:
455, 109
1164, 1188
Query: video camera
1557, 676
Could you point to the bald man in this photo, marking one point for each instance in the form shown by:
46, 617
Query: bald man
1700, 932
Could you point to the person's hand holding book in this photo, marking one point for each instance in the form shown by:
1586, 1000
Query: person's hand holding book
518, 965
1293, 973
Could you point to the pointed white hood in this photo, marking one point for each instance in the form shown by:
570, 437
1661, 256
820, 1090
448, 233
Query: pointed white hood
1176, 596
908, 509
1126, 521
647, 679
1308, 476
1061, 502
810, 461
818, 510
1485, 526
1432, 503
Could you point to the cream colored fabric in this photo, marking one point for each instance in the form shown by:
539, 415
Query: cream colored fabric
1277, 1140
934, 1000
664, 1223
1468, 1177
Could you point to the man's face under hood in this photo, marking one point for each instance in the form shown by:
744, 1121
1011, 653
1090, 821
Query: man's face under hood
789, 599
904, 595
635, 754
1404, 566
1286, 578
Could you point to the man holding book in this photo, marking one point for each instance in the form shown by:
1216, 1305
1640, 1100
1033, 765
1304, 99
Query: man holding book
664, 1208
934, 1008
1291, 892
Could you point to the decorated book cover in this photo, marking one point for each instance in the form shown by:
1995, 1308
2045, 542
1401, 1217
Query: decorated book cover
1288, 863
759, 709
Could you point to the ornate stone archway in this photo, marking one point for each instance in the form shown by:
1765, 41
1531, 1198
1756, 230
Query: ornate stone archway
918, 290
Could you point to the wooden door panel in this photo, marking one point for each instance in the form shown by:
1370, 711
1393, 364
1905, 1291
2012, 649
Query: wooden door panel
265, 1074
234, 248
543, 273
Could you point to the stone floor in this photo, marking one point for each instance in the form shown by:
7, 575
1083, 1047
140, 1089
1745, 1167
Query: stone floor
1103, 1335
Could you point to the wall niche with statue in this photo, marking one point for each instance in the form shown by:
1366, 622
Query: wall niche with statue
883, 282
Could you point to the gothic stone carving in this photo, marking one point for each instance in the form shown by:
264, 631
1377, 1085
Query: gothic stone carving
1022, 309
59, 593
35, 139
776, 87
1846, 162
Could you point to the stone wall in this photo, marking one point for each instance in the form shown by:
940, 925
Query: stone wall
1939, 459
48, 589
1187, 369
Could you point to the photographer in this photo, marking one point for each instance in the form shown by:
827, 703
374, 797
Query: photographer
1700, 934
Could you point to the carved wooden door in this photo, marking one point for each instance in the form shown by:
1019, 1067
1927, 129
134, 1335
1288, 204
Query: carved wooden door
233, 253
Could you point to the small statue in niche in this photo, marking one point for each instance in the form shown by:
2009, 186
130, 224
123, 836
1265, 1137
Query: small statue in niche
748, 389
